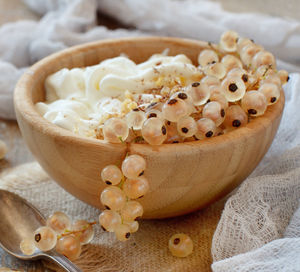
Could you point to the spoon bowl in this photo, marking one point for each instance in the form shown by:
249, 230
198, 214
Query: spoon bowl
19, 219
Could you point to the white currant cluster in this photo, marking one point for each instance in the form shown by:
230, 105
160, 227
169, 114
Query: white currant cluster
61, 234
125, 186
238, 80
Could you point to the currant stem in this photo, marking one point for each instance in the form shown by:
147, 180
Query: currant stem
77, 231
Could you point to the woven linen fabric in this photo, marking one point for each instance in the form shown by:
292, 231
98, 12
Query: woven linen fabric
146, 250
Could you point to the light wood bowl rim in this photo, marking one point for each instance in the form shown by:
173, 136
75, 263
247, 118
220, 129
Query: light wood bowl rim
25, 105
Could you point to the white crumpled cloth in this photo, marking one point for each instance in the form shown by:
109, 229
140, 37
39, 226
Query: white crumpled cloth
260, 226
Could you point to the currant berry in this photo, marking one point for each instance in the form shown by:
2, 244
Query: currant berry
45, 238
263, 58
239, 72
113, 198
135, 119
115, 130
133, 226
207, 56
109, 220
186, 98
174, 109
228, 41
254, 103
59, 222
243, 42
27, 246
131, 211
235, 117
214, 111
271, 92
181, 245
111, 175
217, 70
136, 188
230, 62
199, 93
186, 127
284, 76
248, 52
133, 166
206, 128
69, 246
122, 232
233, 88
154, 131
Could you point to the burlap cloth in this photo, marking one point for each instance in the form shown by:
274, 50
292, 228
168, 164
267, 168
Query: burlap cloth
147, 249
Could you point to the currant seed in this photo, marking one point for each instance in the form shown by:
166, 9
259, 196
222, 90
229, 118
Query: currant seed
236, 123
232, 87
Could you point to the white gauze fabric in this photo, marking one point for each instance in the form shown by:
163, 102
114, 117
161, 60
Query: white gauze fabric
256, 232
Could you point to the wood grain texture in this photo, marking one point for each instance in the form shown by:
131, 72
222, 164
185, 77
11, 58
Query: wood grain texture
183, 177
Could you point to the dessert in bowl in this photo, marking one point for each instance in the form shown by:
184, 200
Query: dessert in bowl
183, 176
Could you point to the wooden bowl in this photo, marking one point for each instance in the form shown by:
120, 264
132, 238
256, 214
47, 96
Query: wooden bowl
183, 177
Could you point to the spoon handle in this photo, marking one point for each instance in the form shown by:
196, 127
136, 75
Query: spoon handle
63, 262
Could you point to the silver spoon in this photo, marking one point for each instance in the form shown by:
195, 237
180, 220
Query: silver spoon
19, 219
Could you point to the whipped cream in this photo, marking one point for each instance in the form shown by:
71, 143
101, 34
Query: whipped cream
82, 99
